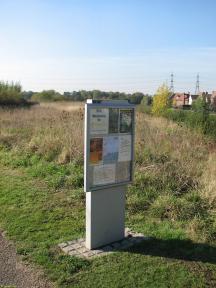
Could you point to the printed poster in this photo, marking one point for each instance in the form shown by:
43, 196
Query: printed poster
113, 120
125, 146
104, 174
110, 149
99, 121
96, 150
123, 171
126, 120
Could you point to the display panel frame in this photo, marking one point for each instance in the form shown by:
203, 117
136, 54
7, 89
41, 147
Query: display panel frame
89, 167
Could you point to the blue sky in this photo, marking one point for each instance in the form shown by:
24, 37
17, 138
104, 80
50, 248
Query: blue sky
130, 45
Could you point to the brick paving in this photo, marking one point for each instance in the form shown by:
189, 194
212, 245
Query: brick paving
77, 247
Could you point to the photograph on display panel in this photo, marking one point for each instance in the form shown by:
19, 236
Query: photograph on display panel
113, 120
126, 118
96, 150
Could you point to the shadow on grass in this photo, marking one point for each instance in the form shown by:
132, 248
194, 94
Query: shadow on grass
176, 249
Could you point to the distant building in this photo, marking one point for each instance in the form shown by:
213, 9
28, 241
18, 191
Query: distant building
185, 100
192, 98
213, 99
180, 100
206, 97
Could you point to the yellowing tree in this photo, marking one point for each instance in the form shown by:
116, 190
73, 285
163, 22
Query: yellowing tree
161, 100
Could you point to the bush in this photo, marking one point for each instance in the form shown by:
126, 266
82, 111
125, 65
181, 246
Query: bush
10, 93
145, 105
197, 119
161, 101
177, 208
47, 96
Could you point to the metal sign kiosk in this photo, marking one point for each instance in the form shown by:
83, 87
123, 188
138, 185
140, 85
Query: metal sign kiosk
109, 154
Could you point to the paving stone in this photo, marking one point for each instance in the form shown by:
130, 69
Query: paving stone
82, 250
81, 240
98, 251
127, 232
72, 242
138, 235
88, 254
62, 245
73, 253
77, 247
67, 249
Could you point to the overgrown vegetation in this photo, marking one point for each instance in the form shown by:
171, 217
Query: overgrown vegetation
172, 199
47, 96
200, 120
200, 117
10, 93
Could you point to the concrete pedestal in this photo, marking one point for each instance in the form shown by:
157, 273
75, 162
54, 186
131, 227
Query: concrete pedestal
105, 216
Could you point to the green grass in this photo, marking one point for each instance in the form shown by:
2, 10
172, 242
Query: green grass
131, 269
43, 204
204, 123
38, 218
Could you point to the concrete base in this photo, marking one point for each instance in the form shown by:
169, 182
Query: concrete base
77, 247
105, 216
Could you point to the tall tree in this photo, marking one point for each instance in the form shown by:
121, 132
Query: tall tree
161, 100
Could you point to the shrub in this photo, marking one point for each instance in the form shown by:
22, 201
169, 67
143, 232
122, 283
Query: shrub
161, 100
47, 95
198, 119
10, 93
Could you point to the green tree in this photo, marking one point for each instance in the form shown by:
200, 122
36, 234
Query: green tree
47, 95
10, 93
201, 110
161, 100
146, 104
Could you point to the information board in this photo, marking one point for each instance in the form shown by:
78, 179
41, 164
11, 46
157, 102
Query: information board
109, 143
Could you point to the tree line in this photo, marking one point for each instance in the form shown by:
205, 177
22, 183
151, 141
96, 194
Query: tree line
11, 93
83, 95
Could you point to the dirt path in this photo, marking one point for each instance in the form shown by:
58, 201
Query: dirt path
14, 272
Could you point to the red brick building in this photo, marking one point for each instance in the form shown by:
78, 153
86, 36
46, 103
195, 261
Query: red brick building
180, 99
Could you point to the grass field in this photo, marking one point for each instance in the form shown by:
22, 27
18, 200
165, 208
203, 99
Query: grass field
173, 200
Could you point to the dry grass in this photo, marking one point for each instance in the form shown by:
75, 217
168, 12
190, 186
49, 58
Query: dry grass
162, 145
209, 178
51, 132
55, 132
66, 106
